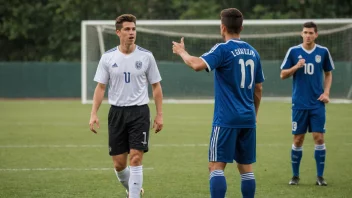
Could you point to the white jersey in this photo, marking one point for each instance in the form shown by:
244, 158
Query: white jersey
128, 76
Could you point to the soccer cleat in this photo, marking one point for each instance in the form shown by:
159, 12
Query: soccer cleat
321, 181
142, 192
294, 180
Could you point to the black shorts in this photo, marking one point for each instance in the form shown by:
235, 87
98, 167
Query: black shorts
128, 129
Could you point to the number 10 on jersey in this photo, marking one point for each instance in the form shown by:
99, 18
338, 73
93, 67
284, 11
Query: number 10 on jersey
309, 68
243, 64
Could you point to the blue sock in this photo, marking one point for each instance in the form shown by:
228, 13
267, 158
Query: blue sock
296, 156
319, 155
248, 185
217, 184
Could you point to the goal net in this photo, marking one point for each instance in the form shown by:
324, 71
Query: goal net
271, 38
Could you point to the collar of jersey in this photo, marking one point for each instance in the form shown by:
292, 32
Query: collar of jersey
127, 55
308, 51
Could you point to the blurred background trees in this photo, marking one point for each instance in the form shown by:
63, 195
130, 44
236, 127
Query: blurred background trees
49, 30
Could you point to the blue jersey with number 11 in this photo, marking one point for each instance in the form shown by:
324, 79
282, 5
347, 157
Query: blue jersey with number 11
308, 81
237, 69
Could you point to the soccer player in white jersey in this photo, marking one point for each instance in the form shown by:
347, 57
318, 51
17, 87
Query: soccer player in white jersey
308, 63
128, 69
238, 78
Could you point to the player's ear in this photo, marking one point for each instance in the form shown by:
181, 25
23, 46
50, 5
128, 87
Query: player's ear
223, 28
118, 32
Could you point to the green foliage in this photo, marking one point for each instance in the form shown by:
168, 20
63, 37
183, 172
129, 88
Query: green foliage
49, 30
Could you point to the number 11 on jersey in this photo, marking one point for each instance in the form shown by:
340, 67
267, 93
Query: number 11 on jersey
243, 64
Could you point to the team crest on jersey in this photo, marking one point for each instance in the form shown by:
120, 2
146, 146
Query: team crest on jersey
318, 58
138, 65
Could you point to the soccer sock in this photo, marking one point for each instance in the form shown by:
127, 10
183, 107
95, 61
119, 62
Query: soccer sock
319, 155
248, 185
123, 176
296, 156
136, 181
218, 185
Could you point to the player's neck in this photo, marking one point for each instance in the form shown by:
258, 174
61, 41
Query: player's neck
231, 36
309, 46
127, 49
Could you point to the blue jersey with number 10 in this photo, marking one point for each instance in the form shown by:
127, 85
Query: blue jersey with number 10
237, 69
308, 80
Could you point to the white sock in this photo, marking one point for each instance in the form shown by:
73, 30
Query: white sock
136, 181
123, 176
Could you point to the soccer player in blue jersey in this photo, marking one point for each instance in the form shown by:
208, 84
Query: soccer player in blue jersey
308, 63
238, 78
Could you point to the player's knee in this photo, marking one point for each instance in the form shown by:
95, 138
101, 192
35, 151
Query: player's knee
318, 138
319, 141
136, 160
119, 165
298, 141
216, 166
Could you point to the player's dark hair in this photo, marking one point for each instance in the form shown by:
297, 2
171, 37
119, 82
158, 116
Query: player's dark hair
232, 18
311, 24
124, 18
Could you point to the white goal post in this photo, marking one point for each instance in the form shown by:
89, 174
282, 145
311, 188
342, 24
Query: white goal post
270, 37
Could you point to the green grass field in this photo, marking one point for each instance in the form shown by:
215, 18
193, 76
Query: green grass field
47, 150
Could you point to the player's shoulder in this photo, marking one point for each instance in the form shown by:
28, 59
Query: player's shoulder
295, 48
108, 54
111, 50
323, 48
143, 50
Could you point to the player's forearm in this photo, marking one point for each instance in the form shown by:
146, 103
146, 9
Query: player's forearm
327, 82
158, 98
192, 61
257, 97
286, 73
97, 99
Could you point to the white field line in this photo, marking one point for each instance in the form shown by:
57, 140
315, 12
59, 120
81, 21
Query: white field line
62, 169
152, 145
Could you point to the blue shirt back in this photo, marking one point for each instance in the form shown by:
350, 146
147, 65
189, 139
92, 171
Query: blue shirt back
237, 69
308, 81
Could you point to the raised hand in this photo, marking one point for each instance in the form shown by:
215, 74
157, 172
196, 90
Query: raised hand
177, 48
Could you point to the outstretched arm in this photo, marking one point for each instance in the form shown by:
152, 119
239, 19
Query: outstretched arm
286, 73
196, 63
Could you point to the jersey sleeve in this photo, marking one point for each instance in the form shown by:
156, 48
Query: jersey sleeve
102, 73
259, 75
287, 62
213, 58
153, 74
328, 64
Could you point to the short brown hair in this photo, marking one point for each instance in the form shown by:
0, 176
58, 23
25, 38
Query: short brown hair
311, 24
124, 18
232, 18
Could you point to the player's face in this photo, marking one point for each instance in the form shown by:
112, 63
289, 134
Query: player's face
309, 35
127, 33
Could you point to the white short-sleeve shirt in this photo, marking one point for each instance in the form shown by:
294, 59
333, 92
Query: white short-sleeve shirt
127, 76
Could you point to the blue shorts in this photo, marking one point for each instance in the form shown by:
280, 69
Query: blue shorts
311, 119
228, 144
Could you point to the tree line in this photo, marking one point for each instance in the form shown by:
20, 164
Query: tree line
49, 30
